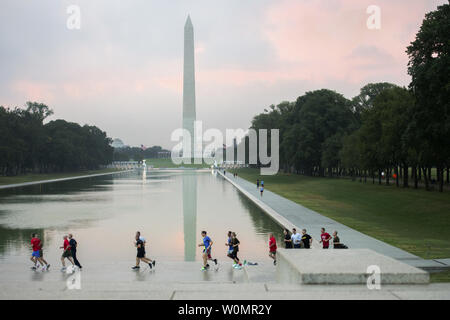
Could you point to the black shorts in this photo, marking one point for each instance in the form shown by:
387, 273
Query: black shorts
233, 254
141, 254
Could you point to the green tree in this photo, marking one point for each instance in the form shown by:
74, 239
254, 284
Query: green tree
429, 67
321, 115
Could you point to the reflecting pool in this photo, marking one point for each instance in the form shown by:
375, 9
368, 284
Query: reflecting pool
170, 208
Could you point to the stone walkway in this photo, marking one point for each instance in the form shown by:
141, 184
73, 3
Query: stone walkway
174, 280
26, 184
288, 213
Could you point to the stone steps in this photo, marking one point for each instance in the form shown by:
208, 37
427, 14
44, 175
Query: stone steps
351, 266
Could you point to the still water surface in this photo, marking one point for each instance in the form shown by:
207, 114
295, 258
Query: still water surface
103, 213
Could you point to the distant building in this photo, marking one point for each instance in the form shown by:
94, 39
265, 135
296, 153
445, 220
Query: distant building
164, 154
117, 143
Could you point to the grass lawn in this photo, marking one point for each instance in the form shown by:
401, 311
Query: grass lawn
167, 163
44, 176
414, 220
440, 276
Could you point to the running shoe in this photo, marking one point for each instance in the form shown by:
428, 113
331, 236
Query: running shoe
48, 266
150, 265
203, 269
274, 262
33, 268
215, 261
63, 269
135, 267
154, 262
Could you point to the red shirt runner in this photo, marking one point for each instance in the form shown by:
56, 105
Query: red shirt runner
272, 244
66, 244
36, 244
324, 237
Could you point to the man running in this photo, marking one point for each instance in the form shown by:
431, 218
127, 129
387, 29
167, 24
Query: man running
66, 253
229, 244
41, 253
273, 248
235, 244
138, 233
207, 243
36, 256
139, 244
306, 239
325, 238
262, 190
73, 249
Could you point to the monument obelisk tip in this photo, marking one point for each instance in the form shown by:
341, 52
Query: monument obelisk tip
188, 23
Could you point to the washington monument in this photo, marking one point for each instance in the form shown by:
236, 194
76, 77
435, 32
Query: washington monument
188, 89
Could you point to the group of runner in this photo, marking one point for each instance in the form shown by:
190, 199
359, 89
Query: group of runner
258, 184
69, 252
291, 240
233, 248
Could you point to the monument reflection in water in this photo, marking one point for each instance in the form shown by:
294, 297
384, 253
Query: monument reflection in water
189, 214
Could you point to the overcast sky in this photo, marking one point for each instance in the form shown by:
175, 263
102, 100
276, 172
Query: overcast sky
122, 70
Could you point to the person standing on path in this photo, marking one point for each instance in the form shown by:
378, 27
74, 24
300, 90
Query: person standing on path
296, 239
325, 238
262, 190
287, 239
66, 253
73, 249
206, 255
273, 248
235, 243
257, 184
337, 242
306, 239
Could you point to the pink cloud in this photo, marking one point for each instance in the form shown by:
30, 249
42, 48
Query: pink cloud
324, 39
34, 91
102, 81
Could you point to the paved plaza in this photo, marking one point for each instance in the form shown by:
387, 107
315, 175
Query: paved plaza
291, 214
174, 280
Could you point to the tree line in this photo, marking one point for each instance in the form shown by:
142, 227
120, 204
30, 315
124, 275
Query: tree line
386, 132
27, 145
